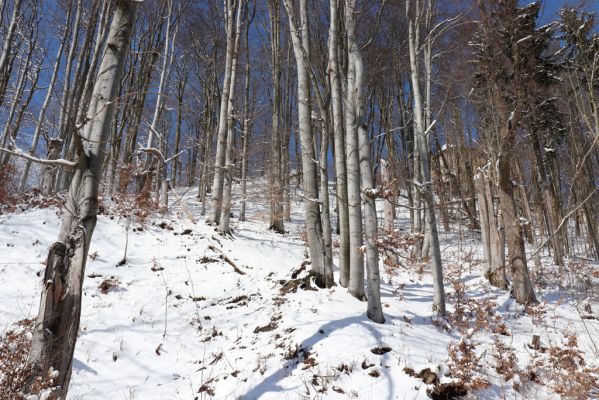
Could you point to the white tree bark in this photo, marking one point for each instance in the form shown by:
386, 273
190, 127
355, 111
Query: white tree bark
374, 310
224, 227
354, 199
313, 224
340, 166
221, 140
421, 148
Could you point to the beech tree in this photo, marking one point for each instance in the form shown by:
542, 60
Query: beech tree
57, 324
300, 39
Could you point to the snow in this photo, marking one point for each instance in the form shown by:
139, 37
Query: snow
182, 324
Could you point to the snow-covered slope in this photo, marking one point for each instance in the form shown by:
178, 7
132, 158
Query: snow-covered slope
176, 321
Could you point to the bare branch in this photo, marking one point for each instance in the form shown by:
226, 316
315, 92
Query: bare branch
58, 161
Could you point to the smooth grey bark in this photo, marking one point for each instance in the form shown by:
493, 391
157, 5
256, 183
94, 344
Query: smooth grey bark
221, 140
246, 129
373, 294
354, 199
421, 148
339, 144
388, 206
276, 196
299, 38
57, 324
182, 83
224, 227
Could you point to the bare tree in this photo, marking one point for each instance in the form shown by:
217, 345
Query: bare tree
421, 148
57, 324
300, 40
221, 141
339, 145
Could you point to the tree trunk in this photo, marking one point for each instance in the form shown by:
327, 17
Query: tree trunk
276, 195
221, 141
356, 256
313, 225
57, 324
224, 227
339, 144
421, 148
523, 290
246, 128
492, 233
375, 310
327, 233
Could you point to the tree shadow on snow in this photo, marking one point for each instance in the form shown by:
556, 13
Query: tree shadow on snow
271, 382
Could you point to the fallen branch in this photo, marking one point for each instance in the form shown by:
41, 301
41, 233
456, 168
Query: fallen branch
226, 258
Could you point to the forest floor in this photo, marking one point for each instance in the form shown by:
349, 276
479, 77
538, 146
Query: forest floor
177, 321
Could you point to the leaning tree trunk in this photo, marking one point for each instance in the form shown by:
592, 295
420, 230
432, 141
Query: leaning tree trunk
57, 324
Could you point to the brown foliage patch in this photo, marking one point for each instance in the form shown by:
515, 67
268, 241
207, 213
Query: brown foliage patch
15, 374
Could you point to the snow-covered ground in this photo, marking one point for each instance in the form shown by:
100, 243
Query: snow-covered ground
181, 323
